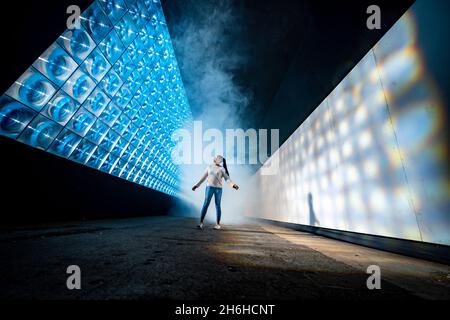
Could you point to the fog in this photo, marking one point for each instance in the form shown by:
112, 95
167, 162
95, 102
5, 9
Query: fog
205, 39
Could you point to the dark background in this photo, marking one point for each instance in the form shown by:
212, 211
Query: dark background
316, 41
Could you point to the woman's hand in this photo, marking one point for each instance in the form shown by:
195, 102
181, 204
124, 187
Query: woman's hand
194, 187
235, 186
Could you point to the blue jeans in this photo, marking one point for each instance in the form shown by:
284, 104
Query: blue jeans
209, 192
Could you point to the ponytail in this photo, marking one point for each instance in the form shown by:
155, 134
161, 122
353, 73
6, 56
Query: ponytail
225, 166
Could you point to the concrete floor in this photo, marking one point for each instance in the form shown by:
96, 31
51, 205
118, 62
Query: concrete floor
168, 258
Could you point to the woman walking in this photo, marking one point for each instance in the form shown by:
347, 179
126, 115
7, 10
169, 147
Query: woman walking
214, 174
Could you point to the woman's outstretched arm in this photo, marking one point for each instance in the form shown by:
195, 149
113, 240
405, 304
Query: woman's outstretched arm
203, 178
228, 180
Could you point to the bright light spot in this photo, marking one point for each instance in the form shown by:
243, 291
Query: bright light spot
330, 136
344, 128
381, 96
395, 157
365, 139
327, 205
314, 187
312, 168
317, 126
356, 201
334, 156
361, 114
347, 149
352, 174
340, 203
327, 116
324, 182
322, 164
378, 200
320, 142
298, 191
310, 150
371, 169
337, 181
356, 92
374, 75
340, 104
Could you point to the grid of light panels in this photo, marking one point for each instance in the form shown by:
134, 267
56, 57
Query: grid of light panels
369, 158
108, 95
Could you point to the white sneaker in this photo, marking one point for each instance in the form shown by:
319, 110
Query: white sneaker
200, 226
217, 227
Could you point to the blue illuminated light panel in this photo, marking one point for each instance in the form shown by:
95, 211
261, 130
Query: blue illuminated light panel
108, 95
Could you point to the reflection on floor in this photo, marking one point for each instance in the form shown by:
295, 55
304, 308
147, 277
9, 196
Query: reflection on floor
166, 257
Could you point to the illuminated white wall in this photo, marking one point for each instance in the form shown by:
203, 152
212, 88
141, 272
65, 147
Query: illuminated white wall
372, 157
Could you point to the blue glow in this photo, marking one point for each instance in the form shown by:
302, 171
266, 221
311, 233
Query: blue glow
60, 108
111, 83
112, 47
79, 86
40, 133
14, 117
97, 102
32, 89
126, 29
83, 151
108, 95
65, 143
110, 114
96, 22
78, 43
55, 64
115, 9
81, 121
96, 65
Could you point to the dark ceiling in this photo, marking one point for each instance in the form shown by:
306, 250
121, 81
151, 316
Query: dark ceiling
321, 39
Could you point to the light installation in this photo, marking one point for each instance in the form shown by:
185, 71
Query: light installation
372, 156
107, 95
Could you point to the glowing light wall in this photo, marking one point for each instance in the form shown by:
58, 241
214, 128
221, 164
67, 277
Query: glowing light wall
107, 95
373, 157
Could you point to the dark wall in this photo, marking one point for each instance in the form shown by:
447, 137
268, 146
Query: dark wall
38, 186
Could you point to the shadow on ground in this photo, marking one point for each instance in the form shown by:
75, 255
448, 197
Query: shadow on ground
168, 258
